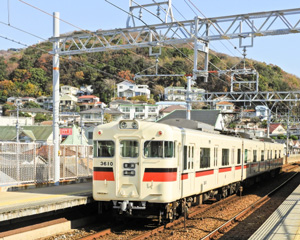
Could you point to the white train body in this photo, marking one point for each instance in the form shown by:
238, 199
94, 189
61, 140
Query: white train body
141, 163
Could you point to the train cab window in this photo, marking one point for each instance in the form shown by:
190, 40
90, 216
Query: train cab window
239, 156
262, 157
104, 148
268, 154
169, 149
129, 148
225, 157
159, 149
254, 155
246, 155
204, 157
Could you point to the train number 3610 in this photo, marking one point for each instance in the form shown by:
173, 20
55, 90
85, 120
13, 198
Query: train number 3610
106, 164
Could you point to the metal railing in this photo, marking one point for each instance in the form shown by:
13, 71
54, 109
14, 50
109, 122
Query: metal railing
23, 163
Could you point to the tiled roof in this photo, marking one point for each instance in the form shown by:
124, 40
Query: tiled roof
172, 108
41, 133
225, 103
87, 96
205, 116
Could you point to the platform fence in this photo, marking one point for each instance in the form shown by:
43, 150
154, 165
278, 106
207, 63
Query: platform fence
23, 163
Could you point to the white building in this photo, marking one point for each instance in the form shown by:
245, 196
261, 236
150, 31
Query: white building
262, 112
130, 89
69, 90
144, 111
179, 93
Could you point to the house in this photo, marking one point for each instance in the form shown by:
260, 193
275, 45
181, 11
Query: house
12, 121
88, 101
20, 100
165, 111
31, 111
210, 117
40, 100
179, 93
130, 89
116, 103
48, 103
38, 134
69, 90
67, 103
76, 138
248, 113
262, 112
276, 129
225, 107
94, 115
295, 130
85, 90
149, 112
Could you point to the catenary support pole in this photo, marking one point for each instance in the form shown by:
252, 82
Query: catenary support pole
56, 99
188, 98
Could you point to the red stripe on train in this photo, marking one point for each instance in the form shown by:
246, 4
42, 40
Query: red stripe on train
204, 173
228, 169
238, 167
160, 176
101, 176
184, 176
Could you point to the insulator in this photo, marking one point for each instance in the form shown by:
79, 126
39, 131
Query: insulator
158, 11
140, 14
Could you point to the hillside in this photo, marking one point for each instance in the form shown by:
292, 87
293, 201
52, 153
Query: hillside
29, 72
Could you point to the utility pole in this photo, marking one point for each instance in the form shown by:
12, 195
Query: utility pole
188, 98
56, 98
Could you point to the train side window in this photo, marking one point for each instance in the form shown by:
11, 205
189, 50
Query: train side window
104, 149
275, 154
185, 157
262, 157
246, 155
225, 157
271, 155
215, 156
254, 155
239, 156
204, 157
129, 148
159, 149
268, 154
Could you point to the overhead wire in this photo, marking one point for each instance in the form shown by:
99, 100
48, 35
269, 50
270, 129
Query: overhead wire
86, 31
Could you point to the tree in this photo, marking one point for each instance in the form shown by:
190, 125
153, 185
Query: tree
3, 69
40, 117
31, 105
6, 107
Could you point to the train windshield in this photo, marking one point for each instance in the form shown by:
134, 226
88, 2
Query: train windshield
104, 148
159, 149
129, 148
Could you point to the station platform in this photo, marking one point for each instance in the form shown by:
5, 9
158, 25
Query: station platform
28, 202
284, 223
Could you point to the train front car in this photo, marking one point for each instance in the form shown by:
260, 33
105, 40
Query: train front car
135, 166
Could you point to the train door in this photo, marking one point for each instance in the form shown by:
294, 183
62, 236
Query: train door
187, 178
129, 180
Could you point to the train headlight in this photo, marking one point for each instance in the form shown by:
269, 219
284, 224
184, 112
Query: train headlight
129, 173
134, 125
123, 125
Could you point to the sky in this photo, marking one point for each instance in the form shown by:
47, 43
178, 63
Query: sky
34, 18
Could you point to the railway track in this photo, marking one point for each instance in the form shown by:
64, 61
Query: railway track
205, 221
